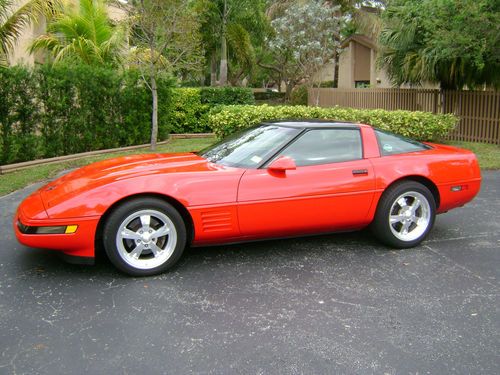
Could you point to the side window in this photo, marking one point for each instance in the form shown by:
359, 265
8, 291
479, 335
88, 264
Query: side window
323, 146
391, 144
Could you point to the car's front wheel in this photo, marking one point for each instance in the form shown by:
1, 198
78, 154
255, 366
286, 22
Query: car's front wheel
144, 236
405, 215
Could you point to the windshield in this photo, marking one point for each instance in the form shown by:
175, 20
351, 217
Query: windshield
249, 148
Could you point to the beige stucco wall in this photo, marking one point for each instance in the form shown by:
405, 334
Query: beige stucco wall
326, 73
361, 62
116, 14
345, 69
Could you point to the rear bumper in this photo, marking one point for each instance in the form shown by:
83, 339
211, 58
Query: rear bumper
79, 244
450, 197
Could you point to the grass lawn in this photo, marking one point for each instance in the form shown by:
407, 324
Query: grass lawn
488, 155
16, 180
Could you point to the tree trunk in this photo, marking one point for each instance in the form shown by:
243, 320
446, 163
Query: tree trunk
223, 62
316, 99
288, 92
223, 57
213, 70
336, 57
154, 119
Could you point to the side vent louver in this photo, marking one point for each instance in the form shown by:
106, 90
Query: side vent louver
216, 221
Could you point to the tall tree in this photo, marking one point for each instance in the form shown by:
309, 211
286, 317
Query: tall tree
14, 19
231, 29
301, 50
83, 33
455, 43
165, 32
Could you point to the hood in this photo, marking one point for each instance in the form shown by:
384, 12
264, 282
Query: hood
127, 167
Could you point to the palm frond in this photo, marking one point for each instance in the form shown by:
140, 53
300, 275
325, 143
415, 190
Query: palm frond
13, 21
85, 34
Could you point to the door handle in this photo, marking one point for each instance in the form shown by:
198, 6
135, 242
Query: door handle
360, 172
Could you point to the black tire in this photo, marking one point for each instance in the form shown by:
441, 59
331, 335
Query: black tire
138, 249
403, 215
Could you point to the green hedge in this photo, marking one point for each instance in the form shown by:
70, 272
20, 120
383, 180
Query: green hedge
52, 111
18, 115
423, 126
59, 110
192, 105
299, 95
269, 95
226, 95
189, 115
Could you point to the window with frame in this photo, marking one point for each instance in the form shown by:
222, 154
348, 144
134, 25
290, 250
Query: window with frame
393, 144
324, 146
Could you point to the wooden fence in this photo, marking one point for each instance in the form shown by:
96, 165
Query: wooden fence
479, 111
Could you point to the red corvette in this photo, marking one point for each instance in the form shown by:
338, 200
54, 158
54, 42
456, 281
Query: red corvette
278, 179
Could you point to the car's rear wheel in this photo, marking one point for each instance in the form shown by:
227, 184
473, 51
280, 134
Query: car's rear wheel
144, 236
405, 215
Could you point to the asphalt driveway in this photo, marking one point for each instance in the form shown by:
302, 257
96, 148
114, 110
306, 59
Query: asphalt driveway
328, 304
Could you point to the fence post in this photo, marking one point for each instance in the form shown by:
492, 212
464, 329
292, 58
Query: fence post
436, 101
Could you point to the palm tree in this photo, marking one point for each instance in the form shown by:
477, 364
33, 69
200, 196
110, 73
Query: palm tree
84, 34
14, 19
230, 29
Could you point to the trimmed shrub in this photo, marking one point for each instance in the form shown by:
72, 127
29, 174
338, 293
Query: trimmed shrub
299, 95
188, 114
422, 126
18, 115
65, 109
226, 95
60, 110
268, 95
328, 84
190, 106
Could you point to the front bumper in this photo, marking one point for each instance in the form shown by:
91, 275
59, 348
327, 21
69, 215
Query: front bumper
78, 244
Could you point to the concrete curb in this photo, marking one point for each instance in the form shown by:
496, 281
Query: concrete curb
19, 166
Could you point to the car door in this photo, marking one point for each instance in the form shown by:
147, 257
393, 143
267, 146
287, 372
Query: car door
331, 188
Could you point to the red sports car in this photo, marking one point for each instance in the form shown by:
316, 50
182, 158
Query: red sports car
278, 179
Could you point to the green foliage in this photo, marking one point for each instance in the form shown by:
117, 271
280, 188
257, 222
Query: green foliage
60, 110
15, 17
423, 126
452, 42
226, 95
299, 95
306, 37
189, 115
165, 36
269, 95
191, 106
239, 25
328, 84
83, 34
18, 115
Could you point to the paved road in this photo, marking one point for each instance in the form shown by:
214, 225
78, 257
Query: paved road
329, 304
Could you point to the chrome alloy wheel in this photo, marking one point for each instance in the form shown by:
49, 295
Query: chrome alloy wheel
146, 239
409, 216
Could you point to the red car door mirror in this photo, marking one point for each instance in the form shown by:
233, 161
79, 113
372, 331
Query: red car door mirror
282, 164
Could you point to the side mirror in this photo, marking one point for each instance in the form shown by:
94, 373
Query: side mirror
282, 164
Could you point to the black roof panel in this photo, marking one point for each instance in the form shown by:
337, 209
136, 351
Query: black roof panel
312, 123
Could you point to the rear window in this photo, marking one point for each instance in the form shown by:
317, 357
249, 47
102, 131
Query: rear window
392, 144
